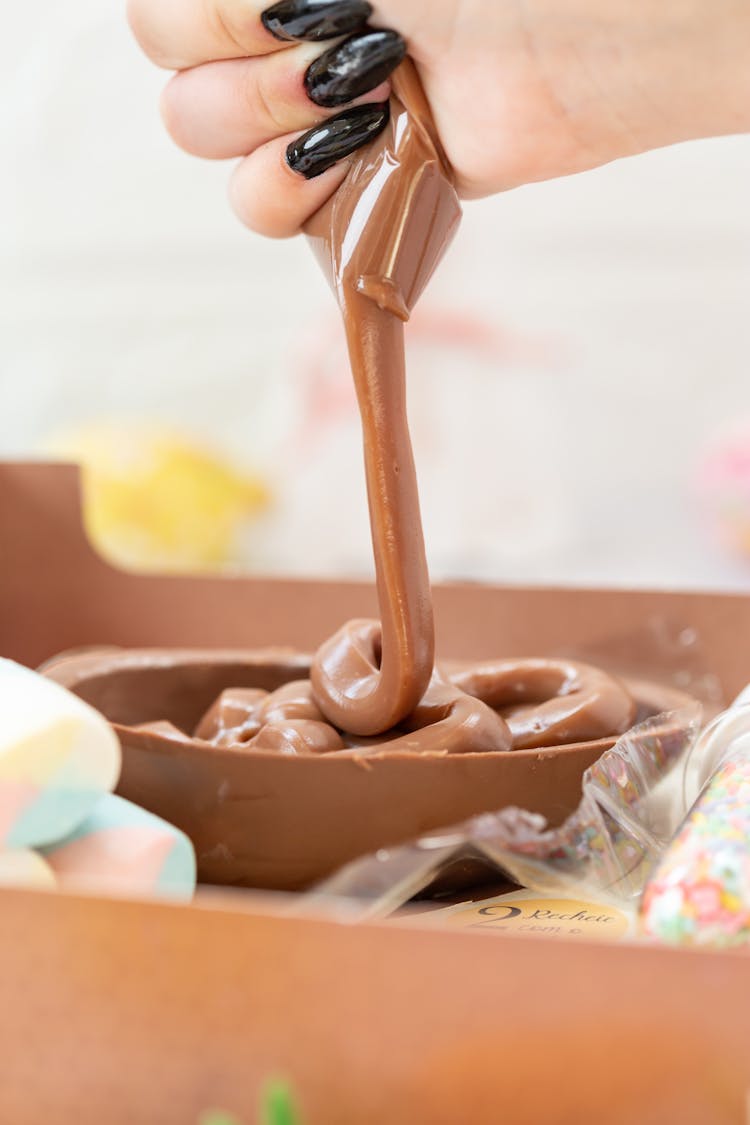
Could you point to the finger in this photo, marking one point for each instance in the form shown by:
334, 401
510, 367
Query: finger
284, 182
227, 109
269, 198
177, 34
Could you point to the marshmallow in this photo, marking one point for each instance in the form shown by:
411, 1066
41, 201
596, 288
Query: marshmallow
25, 869
58, 756
121, 849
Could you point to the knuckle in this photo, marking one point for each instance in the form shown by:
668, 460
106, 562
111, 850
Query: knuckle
232, 30
258, 213
262, 102
173, 114
140, 14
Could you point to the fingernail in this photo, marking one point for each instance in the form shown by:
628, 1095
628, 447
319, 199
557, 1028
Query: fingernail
322, 147
314, 20
353, 67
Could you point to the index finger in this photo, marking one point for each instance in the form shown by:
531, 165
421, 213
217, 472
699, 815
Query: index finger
178, 34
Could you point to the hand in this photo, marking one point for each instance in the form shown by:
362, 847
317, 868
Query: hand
521, 90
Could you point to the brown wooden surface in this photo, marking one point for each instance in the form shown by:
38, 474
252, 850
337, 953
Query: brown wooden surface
124, 1014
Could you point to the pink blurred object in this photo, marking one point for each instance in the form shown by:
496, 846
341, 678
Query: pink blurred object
724, 486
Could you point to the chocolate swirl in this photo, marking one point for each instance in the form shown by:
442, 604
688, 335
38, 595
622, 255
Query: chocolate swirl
550, 702
379, 240
504, 705
286, 721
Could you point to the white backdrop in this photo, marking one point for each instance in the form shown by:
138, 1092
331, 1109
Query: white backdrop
600, 336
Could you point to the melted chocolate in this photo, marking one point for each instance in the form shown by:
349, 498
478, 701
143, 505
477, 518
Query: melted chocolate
506, 705
374, 685
286, 815
379, 241
385, 746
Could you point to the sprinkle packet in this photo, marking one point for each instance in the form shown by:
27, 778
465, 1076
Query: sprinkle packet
633, 803
700, 891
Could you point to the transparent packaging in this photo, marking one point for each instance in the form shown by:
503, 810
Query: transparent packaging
633, 803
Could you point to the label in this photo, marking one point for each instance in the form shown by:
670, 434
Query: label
525, 914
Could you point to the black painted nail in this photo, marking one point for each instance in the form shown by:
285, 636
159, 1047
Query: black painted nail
314, 20
322, 147
351, 68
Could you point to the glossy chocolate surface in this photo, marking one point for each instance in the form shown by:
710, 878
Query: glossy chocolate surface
379, 241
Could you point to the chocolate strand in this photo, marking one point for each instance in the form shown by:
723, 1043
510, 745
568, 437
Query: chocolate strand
380, 240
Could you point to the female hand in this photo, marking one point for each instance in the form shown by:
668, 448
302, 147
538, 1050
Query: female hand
521, 90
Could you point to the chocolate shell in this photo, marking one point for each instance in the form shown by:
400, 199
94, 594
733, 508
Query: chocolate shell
267, 820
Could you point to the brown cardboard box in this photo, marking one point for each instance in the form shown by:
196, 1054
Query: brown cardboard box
128, 1012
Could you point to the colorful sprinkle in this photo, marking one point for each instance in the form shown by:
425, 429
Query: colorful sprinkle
700, 892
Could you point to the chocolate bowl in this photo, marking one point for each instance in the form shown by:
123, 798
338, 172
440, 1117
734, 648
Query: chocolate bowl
266, 820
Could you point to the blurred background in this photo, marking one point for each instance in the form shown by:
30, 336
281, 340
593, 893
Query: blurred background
578, 370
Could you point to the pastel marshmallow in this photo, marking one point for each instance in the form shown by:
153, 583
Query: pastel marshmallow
58, 757
25, 868
120, 849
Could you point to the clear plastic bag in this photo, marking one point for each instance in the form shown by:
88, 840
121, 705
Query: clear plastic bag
633, 803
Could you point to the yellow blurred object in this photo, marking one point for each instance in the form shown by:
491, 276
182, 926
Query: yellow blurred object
155, 500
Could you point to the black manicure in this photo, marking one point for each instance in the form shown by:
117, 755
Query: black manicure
322, 147
314, 20
351, 68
